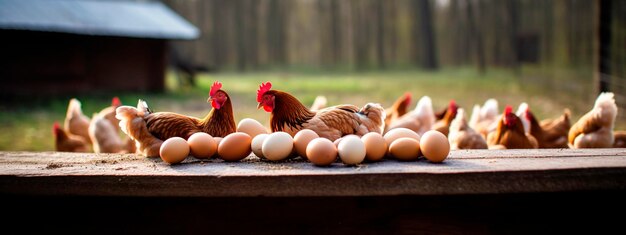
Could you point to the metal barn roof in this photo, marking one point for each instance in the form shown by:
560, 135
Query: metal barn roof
101, 18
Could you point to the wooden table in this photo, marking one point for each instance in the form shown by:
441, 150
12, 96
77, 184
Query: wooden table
472, 191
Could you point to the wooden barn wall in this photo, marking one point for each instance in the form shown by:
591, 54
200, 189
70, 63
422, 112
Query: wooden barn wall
53, 63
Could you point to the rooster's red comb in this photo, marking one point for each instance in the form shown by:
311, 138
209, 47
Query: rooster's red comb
215, 87
55, 127
115, 102
508, 109
407, 98
452, 103
264, 87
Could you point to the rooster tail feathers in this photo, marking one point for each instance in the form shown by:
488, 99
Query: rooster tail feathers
74, 108
521, 113
490, 109
425, 106
521, 110
459, 119
142, 108
125, 114
604, 99
475, 116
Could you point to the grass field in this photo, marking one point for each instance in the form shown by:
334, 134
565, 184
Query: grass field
27, 126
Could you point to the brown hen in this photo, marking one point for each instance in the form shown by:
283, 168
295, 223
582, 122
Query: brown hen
288, 114
510, 133
218, 123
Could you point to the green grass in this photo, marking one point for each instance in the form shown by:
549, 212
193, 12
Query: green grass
28, 126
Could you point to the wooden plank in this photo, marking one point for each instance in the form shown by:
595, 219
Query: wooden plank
465, 172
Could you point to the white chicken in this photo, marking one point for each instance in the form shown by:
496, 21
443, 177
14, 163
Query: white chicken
420, 120
485, 119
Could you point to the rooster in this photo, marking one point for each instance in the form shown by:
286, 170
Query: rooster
485, 119
443, 125
133, 124
218, 123
549, 133
462, 136
290, 115
420, 120
595, 128
76, 122
510, 133
397, 109
67, 142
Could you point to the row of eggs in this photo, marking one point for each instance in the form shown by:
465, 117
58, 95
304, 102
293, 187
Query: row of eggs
251, 136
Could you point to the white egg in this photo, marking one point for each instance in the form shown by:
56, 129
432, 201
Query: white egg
257, 145
351, 150
251, 127
277, 146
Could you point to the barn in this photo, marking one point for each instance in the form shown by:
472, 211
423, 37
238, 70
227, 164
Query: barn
69, 46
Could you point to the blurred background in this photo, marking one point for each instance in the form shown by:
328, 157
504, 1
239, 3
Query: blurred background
552, 54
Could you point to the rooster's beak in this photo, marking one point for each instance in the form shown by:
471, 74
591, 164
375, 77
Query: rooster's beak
259, 106
209, 100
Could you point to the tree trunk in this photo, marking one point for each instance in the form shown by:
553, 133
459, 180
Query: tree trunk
603, 45
476, 37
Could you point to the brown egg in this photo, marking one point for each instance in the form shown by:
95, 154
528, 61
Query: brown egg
217, 143
174, 150
435, 146
405, 149
251, 127
202, 145
375, 146
302, 139
397, 133
321, 152
234, 147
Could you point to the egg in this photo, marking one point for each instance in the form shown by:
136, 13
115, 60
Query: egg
234, 147
435, 146
351, 150
405, 149
336, 142
217, 143
218, 140
302, 139
277, 146
397, 133
202, 145
257, 145
174, 150
375, 146
251, 127
321, 152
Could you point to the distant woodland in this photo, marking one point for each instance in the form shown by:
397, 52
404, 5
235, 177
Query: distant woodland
545, 38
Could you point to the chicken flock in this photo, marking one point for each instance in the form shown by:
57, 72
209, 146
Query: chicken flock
487, 128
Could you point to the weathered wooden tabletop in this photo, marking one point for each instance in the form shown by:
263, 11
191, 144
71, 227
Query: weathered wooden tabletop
464, 172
